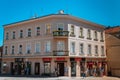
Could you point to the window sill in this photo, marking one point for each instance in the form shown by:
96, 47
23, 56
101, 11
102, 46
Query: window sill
72, 35
101, 40
81, 36
95, 39
89, 38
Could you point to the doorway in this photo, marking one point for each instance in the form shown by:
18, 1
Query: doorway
37, 68
60, 67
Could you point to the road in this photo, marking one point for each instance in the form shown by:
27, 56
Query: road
59, 78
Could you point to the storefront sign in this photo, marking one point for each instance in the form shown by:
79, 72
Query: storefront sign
47, 59
60, 59
77, 59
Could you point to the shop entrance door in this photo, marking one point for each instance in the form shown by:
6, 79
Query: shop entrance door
37, 68
60, 67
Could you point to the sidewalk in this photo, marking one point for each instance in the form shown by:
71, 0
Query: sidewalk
57, 78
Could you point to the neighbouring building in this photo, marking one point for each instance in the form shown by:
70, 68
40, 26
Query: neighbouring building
113, 50
56, 44
1, 51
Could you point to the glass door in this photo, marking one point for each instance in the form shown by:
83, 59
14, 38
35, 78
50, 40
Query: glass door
73, 68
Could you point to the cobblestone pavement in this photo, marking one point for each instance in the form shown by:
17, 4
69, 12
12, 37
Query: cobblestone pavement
59, 78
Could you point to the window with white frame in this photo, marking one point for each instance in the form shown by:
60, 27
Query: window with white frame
47, 46
38, 31
37, 48
96, 49
60, 45
48, 28
12, 52
95, 33
102, 36
72, 48
89, 49
21, 33
89, 34
81, 32
7, 36
29, 32
72, 30
20, 49
13, 35
102, 50
28, 48
81, 48
6, 50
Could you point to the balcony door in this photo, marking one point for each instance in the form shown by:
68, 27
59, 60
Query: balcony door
60, 47
60, 28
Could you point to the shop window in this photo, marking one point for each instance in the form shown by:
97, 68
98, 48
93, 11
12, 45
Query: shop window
47, 67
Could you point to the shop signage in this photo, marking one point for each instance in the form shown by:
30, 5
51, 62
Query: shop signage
47, 59
77, 59
60, 59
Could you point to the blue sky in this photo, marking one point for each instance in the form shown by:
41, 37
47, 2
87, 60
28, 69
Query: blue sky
104, 12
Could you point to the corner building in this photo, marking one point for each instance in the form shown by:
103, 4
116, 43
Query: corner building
55, 45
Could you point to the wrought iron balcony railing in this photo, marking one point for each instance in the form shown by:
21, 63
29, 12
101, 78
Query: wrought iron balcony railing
60, 33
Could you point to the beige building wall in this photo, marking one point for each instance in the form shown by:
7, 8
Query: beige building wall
113, 54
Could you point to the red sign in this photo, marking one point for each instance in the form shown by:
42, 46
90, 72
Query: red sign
47, 59
60, 59
77, 59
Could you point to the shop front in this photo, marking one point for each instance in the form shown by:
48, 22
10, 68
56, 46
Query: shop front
20, 67
96, 67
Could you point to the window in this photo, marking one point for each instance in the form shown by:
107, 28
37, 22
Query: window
102, 50
12, 50
89, 34
48, 27
38, 31
60, 45
81, 48
47, 46
96, 49
13, 34
101, 36
6, 50
7, 36
28, 48
89, 49
95, 35
21, 33
72, 47
37, 49
29, 32
72, 30
47, 67
81, 32
20, 49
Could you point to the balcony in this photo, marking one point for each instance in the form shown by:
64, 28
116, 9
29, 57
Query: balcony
60, 53
60, 33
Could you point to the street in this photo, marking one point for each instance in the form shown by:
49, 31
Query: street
59, 78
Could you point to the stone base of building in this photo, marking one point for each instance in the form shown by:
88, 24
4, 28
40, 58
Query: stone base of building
54, 66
